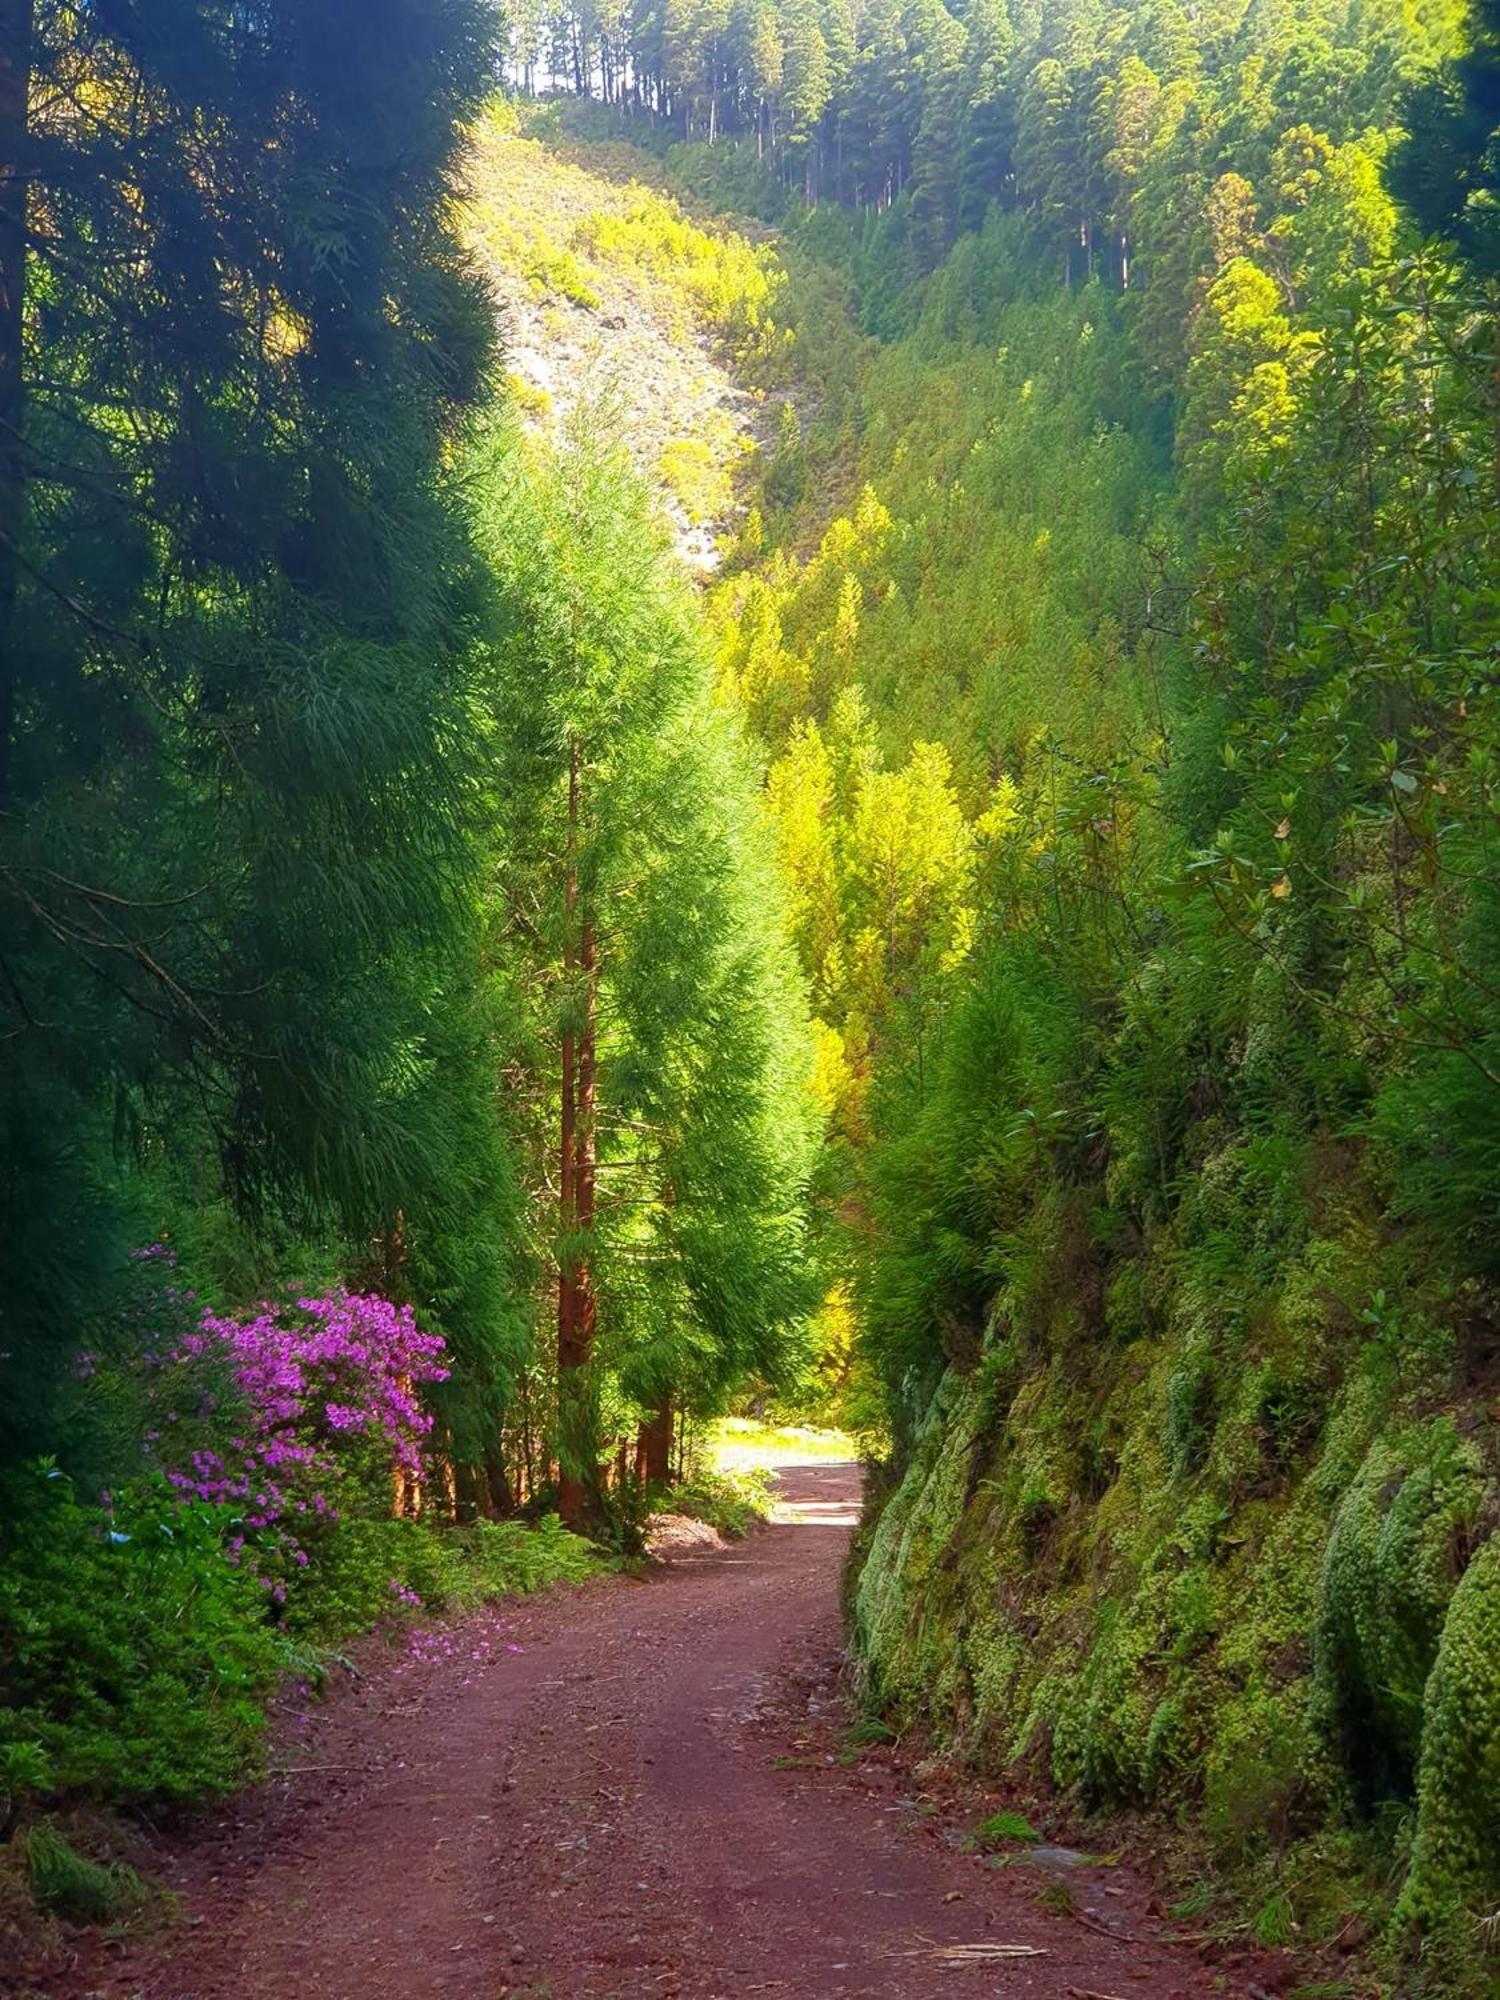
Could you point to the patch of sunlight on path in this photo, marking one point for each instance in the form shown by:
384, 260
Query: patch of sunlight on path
802, 1510
812, 1478
740, 1444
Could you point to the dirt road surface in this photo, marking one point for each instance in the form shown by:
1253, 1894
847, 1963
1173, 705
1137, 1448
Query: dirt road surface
631, 1790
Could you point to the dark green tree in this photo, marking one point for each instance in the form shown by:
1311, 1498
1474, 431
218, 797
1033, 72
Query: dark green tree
235, 334
666, 1051
1446, 170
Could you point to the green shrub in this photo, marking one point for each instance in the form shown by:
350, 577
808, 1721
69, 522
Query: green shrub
730, 1502
137, 1658
369, 1569
732, 285
134, 1657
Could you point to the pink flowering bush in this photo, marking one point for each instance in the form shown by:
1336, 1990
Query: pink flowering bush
143, 1627
294, 1415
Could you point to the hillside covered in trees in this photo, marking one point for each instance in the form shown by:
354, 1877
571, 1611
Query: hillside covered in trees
1120, 628
1001, 955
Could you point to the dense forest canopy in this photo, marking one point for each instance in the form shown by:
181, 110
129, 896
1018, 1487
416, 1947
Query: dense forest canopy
1120, 129
1009, 961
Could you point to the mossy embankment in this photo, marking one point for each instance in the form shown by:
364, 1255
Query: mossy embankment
1200, 1528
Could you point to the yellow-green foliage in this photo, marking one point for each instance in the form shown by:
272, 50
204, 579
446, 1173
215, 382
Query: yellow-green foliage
698, 473
528, 397
559, 222
730, 284
523, 207
964, 577
1183, 1527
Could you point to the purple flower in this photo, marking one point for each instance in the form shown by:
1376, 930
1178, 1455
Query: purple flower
308, 1382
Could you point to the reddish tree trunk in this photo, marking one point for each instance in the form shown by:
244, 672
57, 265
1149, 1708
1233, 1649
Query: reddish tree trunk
498, 1497
654, 1447
576, 1305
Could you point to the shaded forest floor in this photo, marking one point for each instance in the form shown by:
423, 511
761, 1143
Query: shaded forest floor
646, 1788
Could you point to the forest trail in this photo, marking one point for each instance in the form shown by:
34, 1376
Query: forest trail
635, 1790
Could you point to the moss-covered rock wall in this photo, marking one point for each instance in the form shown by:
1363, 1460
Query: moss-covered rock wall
1221, 1548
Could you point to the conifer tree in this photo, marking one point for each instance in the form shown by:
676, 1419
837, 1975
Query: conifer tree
1447, 168
234, 333
806, 87
937, 147
671, 1126
987, 167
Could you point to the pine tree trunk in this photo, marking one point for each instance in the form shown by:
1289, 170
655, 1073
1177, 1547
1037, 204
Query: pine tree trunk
498, 1495
576, 1305
471, 1501
16, 24
654, 1446
528, 1451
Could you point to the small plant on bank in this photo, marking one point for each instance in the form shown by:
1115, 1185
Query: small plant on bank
864, 1735
1196, 1903
66, 1884
1273, 1923
870, 1729
1058, 1898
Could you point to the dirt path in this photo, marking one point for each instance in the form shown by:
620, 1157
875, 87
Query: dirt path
627, 1791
